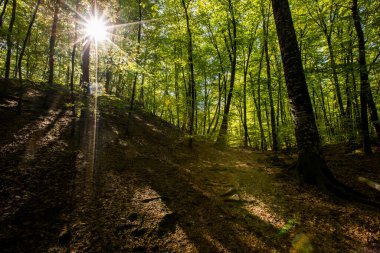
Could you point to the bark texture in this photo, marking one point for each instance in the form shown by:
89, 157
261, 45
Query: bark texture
311, 164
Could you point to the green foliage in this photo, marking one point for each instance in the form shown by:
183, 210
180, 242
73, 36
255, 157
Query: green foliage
162, 63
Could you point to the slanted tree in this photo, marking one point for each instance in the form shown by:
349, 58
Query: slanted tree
231, 45
311, 167
21, 56
311, 163
9, 48
366, 98
5, 3
191, 92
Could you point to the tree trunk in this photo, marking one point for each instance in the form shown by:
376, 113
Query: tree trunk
232, 51
365, 89
9, 48
335, 75
245, 74
311, 164
22, 52
53, 36
3, 12
73, 52
176, 87
72, 73
257, 102
191, 78
108, 80
26, 39
269, 81
132, 102
86, 64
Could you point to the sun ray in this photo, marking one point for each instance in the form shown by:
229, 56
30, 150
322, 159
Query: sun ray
75, 11
117, 47
134, 23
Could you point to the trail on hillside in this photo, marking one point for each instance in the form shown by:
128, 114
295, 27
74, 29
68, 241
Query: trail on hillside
106, 192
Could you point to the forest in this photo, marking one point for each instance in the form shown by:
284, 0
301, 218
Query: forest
189, 126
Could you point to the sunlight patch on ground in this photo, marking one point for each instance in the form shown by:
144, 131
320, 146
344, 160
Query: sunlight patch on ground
156, 214
9, 103
254, 242
24, 135
259, 209
153, 128
215, 243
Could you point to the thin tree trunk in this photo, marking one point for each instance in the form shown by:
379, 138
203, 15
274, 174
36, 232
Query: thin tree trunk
245, 74
191, 77
269, 82
335, 76
9, 48
73, 52
232, 52
53, 37
24, 44
215, 118
3, 12
72, 74
257, 102
176, 87
86, 64
132, 103
365, 89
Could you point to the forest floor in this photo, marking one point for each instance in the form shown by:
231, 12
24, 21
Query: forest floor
102, 191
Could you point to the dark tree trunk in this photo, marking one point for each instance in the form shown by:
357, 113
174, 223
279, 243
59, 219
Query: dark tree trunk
257, 102
86, 64
26, 39
311, 164
366, 98
9, 48
245, 75
108, 80
191, 93
231, 45
73, 52
132, 103
335, 75
53, 37
269, 81
22, 52
3, 12
72, 73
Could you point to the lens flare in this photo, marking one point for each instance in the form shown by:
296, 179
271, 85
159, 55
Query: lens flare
96, 29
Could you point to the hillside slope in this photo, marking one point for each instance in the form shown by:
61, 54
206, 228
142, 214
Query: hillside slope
102, 191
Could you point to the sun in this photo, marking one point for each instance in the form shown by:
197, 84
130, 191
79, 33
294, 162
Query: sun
96, 29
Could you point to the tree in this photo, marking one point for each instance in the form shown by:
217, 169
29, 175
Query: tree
53, 36
191, 92
366, 98
131, 107
269, 79
9, 48
231, 45
5, 3
21, 56
311, 164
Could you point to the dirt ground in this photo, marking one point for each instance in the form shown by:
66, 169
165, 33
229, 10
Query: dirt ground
103, 191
